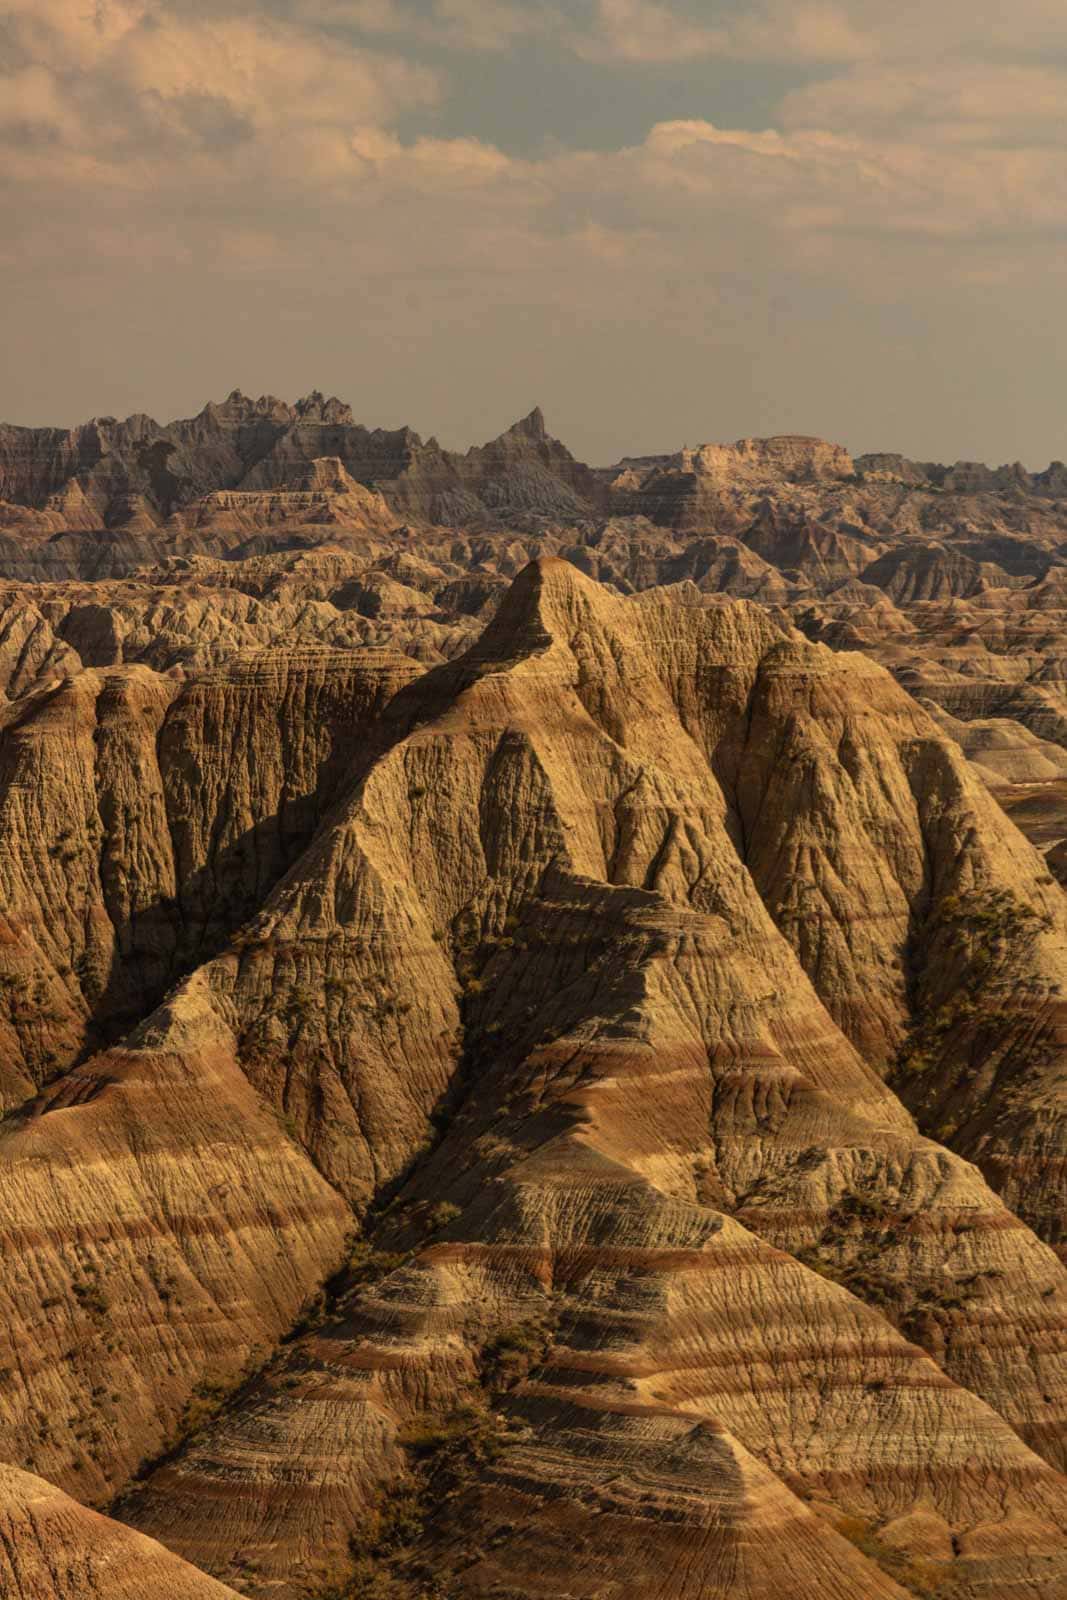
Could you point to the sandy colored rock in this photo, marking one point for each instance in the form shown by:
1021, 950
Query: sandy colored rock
532, 1047
51, 1548
640, 1139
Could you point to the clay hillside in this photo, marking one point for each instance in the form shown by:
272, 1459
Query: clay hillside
533, 1018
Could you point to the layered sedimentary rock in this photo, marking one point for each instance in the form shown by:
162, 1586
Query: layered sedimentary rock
931, 572
586, 1118
246, 463
144, 818
160, 1233
51, 1548
101, 500
653, 1101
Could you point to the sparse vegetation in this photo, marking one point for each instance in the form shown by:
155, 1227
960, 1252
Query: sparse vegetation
927, 1580
854, 1250
515, 1349
443, 1448
440, 1215
90, 1296
997, 1005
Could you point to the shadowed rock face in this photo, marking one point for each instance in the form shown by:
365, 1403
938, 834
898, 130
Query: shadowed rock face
523, 1071
137, 473
145, 819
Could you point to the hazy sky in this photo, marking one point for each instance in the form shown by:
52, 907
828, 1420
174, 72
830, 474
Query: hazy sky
663, 222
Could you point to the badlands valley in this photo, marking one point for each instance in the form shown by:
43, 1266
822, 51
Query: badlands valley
533, 1018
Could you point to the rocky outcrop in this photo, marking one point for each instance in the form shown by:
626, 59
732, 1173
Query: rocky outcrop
583, 871
51, 1548
522, 1072
697, 489
930, 572
145, 819
804, 549
320, 495
136, 473
1003, 751
523, 471
161, 1232
30, 651
107, 464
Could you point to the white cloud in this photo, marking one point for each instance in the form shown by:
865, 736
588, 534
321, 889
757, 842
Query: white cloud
135, 92
267, 73
71, 33
643, 30
31, 100
919, 32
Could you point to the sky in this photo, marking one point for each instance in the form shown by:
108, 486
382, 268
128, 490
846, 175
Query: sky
664, 221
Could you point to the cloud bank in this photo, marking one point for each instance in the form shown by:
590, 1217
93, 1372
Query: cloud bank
283, 158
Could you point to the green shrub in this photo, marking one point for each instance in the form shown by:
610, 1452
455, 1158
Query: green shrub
441, 1215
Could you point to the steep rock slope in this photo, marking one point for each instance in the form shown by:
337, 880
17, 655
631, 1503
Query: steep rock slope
112, 467
1003, 750
931, 572
160, 1233
652, 1103
568, 998
687, 489
51, 1548
144, 818
317, 495
30, 651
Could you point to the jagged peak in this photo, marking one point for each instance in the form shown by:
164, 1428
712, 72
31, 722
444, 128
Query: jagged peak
553, 580
532, 426
528, 430
549, 597
315, 407
243, 405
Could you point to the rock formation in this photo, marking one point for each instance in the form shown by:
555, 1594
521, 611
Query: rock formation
51, 1548
533, 1047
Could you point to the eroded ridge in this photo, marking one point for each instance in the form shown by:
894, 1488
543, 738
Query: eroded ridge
661, 1245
